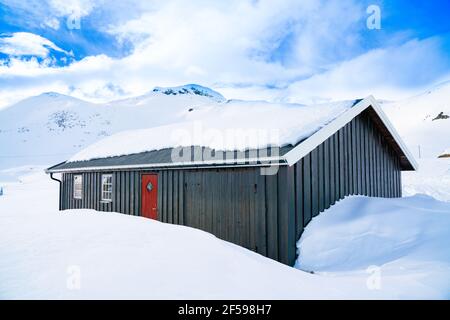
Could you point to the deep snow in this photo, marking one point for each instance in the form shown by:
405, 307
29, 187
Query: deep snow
87, 254
405, 238
432, 178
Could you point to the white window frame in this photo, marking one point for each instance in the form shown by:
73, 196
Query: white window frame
78, 186
107, 188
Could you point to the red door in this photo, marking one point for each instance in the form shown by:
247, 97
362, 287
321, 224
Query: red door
149, 189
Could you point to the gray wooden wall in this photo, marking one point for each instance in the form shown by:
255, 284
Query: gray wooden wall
126, 192
266, 214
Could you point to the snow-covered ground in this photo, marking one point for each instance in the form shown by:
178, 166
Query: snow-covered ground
423, 121
432, 178
403, 240
361, 248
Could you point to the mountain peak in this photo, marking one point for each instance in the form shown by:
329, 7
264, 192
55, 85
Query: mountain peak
51, 94
193, 89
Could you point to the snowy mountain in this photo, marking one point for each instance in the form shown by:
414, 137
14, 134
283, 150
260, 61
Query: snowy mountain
51, 127
423, 121
191, 89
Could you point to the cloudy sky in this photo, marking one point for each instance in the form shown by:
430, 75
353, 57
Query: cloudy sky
292, 50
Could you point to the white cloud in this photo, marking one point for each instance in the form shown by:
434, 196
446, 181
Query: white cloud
52, 23
78, 8
389, 73
25, 43
236, 41
306, 50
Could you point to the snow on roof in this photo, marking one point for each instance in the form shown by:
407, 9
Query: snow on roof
235, 125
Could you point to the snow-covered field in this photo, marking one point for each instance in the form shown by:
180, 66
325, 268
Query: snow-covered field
423, 121
361, 248
432, 178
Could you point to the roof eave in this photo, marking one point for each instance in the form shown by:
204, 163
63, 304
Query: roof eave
413, 165
323, 134
51, 169
262, 162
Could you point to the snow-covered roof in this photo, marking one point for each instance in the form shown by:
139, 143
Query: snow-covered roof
234, 126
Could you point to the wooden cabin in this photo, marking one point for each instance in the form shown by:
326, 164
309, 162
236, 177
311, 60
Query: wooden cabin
356, 153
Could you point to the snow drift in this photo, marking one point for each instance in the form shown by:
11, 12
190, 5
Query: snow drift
361, 231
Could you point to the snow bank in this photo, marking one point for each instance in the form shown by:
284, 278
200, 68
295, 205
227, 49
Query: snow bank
405, 238
236, 125
43, 251
432, 178
82, 254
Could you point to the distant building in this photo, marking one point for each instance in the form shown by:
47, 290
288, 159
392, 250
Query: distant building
357, 153
445, 154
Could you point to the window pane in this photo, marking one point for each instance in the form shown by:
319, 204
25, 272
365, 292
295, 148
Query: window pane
78, 186
107, 187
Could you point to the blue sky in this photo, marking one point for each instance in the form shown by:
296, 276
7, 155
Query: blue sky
277, 50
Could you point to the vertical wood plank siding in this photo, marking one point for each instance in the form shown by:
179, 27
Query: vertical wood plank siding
266, 214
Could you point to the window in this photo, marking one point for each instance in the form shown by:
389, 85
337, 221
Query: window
78, 186
107, 187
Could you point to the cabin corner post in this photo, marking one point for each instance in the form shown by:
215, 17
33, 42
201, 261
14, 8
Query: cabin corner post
286, 215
